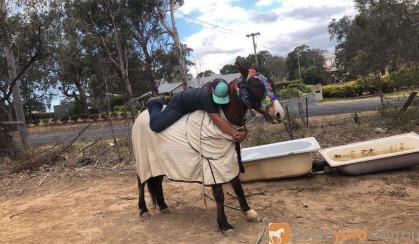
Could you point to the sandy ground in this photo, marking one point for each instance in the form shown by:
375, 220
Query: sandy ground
103, 209
69, 203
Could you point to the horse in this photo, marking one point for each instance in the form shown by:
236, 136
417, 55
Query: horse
244, 94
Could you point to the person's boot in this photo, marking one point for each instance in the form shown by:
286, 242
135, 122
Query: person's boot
163, 99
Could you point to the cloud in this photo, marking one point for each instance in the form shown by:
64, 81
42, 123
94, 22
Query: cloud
284, 26
314, 12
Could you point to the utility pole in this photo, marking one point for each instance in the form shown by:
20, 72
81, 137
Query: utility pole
17, 102
254, 46
298, 60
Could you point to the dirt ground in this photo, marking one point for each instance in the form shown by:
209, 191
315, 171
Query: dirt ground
97, 203
103, 208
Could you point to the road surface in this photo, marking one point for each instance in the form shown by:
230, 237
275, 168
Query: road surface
314, 108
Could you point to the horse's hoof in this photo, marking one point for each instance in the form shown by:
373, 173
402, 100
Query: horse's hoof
145, 215
165, 211
225, 227
229, 232
251, 215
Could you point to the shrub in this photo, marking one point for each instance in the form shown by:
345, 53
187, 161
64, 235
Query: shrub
45, 121
94, 117
347, 89
104, 116
114, 115
120, 108
84, 117
75, 118
124, 114
289, 93
36, 121
64, 119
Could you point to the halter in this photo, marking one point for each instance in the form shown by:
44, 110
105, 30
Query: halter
268, 97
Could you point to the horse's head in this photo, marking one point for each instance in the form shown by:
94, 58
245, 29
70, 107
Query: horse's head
256, 92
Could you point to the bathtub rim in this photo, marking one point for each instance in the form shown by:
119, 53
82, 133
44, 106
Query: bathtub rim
333, 163
312, 148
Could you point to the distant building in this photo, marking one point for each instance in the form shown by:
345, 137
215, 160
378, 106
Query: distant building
176, 87
330, 62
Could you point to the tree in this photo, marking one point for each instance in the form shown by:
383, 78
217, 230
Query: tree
206, 73
383, 34
229, 69
21, 43
169, 6
276, 68
307, 57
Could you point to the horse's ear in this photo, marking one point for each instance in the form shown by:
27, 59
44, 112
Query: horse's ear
242, 70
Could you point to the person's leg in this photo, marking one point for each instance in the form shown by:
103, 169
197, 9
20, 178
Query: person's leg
160, 120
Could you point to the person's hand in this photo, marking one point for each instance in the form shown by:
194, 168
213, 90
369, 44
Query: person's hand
239, 135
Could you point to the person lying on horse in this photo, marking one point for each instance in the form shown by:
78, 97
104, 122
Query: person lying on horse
208, 98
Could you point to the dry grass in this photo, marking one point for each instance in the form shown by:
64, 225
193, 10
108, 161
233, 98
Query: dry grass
342, 129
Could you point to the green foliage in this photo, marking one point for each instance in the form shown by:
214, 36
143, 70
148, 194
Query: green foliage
117, 101
206, 73
36, 121
311, 75
347, 89
76, 108
307, 58
120, 108
94, 117
75, 118
64, 119
124, 114
114, 115
294, 88
84, 117
288, 93
45, 121
405, 77
229, 69
383, 34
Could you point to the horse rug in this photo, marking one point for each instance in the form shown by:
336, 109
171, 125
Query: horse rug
193, 149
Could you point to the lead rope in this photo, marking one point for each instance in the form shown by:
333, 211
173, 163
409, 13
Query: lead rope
202, 164
204, 194
262, 232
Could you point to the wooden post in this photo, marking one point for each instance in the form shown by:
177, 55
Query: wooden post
408, 101
307, 111
288, 125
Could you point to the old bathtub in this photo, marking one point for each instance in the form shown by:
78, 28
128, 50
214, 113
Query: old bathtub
278, 160
389, 153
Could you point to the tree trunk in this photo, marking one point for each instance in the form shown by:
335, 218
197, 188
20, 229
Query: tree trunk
83, 98
17, 101
380, 89
178, 46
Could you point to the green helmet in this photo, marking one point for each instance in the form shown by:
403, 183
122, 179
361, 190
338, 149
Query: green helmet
220, 92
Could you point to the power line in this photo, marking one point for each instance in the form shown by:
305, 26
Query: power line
206, 22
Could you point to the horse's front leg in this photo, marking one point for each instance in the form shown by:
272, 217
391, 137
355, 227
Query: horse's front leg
250, 214
217, 190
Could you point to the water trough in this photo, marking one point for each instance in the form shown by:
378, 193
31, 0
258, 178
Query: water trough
279, 160
389, 153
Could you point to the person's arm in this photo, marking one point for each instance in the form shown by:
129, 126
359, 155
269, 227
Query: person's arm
225, 127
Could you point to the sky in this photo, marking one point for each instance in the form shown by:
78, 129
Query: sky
216, 29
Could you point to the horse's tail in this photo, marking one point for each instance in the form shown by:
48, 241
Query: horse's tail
152, 189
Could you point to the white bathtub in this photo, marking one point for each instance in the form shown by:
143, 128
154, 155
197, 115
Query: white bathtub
394, 152
278, 160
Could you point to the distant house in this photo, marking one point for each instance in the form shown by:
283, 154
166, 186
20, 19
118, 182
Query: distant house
176, 87
330, 62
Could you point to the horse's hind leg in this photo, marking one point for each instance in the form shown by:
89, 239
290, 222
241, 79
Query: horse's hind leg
158, 187
217, 190
141, 200
238, 189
